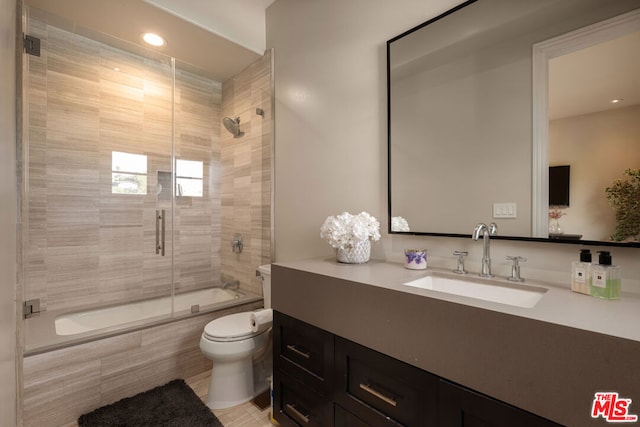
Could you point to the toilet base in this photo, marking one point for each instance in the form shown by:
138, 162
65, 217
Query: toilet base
232, 383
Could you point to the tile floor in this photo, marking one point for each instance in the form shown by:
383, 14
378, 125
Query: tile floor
245, 415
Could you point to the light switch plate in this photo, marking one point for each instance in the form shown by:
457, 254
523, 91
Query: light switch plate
505, 210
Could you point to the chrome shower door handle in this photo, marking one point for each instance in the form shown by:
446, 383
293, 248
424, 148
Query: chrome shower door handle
163, 233
160, 231
157, 231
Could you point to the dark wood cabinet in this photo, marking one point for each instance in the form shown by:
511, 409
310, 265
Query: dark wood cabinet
297, 405
304, 352
461, 407
303, 373
383, 391
322, 380
344, 418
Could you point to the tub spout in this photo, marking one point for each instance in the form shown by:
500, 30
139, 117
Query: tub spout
234, 284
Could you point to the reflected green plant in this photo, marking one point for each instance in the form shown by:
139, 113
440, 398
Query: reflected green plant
624, 198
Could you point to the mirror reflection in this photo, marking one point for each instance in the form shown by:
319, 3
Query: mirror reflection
462, 134
595, 131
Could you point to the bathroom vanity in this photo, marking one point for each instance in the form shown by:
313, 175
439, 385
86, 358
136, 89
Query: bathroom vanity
323, 380
354, 345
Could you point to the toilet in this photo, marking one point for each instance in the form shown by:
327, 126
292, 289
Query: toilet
241, 358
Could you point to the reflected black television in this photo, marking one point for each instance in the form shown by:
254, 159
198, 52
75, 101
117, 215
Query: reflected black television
559, 177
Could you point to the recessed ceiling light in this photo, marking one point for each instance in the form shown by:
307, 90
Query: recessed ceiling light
616, 101
153, 39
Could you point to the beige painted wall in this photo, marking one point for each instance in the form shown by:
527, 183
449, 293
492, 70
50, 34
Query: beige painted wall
8, 209
331, 147
606, 142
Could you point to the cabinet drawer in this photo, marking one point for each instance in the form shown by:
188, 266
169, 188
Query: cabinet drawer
304, 352
296, 405
461, 407
381, 390
343, 418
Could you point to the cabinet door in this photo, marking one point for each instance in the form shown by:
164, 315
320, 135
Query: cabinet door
461, 407
304, 352
381, 390
296, 405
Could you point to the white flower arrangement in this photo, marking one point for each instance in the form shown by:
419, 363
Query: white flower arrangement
344, 231
398, 223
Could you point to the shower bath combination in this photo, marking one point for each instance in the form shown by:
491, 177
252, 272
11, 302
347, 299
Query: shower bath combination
90, 213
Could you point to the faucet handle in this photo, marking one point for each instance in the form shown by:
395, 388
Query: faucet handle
460, 268
515, 268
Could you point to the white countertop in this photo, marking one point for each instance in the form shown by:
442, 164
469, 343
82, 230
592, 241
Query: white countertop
618, 318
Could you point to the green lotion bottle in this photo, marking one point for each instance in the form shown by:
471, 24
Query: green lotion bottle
605, 278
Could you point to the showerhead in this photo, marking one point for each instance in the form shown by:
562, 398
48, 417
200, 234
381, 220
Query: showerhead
233, 126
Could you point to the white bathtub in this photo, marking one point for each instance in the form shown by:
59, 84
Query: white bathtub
91, 320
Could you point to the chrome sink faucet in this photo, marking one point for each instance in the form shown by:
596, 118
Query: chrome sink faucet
485, 231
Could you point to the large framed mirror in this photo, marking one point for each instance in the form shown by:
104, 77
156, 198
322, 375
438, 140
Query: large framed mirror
487, 98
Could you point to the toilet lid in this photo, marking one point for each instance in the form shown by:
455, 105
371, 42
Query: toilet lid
232, 327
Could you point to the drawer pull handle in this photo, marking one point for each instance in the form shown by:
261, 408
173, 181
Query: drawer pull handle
298, 352
292, 408
370, 390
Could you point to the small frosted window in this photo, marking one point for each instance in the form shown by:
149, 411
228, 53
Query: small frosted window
128, 162
189, 174
189, 168
128, 173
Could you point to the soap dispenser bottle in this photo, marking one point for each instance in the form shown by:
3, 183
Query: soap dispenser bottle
581, 273
605, 278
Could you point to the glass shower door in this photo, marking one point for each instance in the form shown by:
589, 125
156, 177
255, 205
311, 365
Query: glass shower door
97, 214
197, 113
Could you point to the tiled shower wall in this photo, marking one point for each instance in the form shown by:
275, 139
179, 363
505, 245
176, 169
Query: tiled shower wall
86, 245
246, 179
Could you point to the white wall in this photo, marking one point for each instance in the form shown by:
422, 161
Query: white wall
8, 208
330, 136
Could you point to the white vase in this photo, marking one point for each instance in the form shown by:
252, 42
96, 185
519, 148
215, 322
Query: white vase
359, 253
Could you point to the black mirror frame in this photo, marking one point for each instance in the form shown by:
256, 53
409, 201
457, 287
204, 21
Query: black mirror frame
418, 233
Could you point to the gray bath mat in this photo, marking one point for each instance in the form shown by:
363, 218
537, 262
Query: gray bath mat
174, 404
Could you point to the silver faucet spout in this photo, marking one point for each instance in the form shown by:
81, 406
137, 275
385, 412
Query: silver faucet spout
478, 231
485, 231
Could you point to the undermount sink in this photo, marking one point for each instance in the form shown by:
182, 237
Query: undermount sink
503, 293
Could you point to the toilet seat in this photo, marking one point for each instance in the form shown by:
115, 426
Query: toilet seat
234, 327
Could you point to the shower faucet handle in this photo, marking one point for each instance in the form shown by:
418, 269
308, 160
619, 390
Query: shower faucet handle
236, 244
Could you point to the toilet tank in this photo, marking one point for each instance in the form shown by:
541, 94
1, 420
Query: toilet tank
265, 275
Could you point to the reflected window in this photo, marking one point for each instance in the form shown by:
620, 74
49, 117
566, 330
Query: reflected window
128, 173
189, 177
